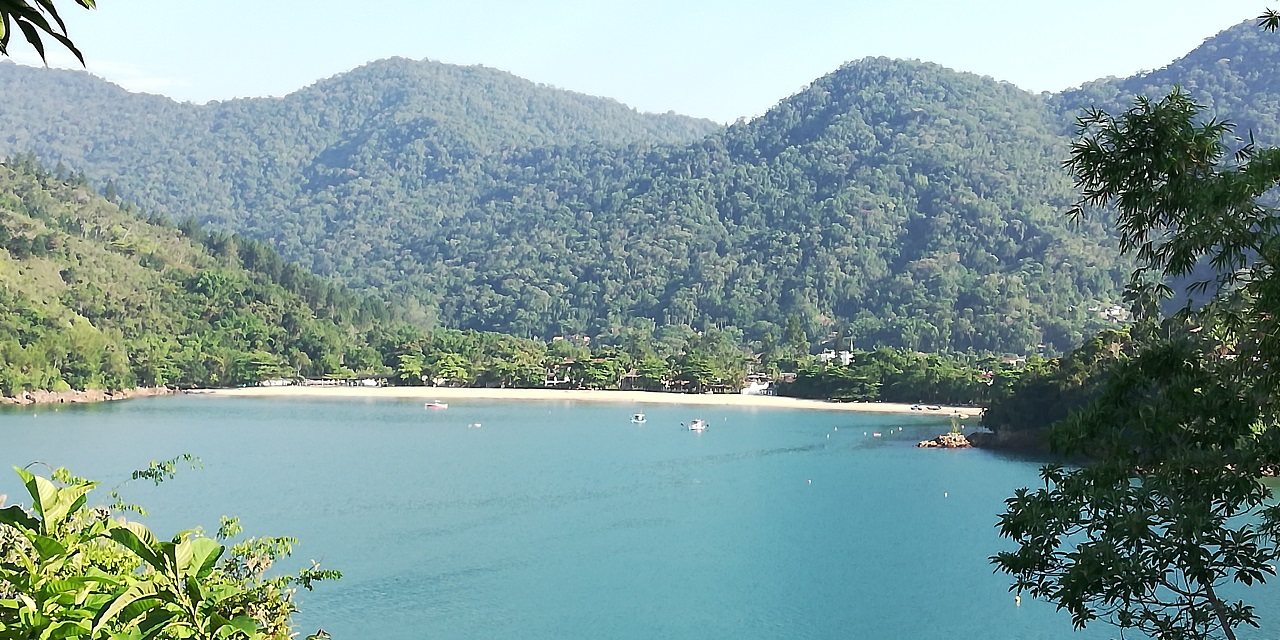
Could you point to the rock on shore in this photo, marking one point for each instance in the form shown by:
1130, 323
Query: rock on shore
90, 395
951, 440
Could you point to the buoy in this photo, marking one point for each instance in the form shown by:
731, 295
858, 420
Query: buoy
1017, 601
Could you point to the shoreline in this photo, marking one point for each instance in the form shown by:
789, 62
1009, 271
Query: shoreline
582, 395
83, 396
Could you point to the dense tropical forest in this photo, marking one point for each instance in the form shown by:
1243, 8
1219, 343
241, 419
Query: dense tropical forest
898, 203
897, 206
890, 205
95, 296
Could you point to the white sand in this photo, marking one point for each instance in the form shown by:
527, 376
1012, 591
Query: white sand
632, 397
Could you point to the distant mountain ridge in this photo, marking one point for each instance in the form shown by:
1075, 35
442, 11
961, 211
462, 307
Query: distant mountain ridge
893, 202
1231, 74
227, 149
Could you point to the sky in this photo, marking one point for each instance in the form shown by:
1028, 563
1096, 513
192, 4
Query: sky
708, 58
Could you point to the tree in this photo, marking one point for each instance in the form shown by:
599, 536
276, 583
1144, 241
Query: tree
448, 368
696, 369
32, 17
653, 373
1169, 507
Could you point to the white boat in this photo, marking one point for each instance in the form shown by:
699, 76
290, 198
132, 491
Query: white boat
698, 425
638, 418
436, 405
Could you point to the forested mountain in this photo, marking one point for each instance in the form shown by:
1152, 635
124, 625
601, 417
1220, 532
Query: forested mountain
1232, 74
897, 203
215, 160
93, 296
908, 204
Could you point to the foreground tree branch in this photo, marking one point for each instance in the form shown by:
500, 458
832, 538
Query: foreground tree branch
33, 18
1182, 431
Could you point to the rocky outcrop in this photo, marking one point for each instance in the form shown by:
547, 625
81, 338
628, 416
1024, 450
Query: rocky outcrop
90, 395
952, 440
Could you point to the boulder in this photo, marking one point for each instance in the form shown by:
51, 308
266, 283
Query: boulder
952, 440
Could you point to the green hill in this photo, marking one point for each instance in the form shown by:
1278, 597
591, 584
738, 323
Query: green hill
1231, 74
214, 160
92, 296
896, 203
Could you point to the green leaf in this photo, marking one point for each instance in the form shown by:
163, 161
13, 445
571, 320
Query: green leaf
15, 516
245, 624
32, 35
197, 556
155, 623
137, 608
140, 591
41, 490
138, 539
67, 629
68, 501
47, 547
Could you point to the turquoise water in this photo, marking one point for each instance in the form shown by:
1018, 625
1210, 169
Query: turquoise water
564, 520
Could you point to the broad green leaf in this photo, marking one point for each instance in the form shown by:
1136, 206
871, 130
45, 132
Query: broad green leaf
155, 623
216, 593
246, 624
138, 608
73, 583
33, 36
41, 490
67, 629
67, 501
140, 591
197, 556
47, 547
192, 588
138, 539
17, 517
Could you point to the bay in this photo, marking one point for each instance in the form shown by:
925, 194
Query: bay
565, 520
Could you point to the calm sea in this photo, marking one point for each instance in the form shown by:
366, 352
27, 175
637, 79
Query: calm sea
565, 520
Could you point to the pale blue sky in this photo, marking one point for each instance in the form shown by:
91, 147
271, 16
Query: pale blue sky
713, 58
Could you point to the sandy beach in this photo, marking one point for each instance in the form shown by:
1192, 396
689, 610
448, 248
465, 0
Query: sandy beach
427, 394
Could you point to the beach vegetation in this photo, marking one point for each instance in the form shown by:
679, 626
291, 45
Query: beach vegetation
69, 569
897, 375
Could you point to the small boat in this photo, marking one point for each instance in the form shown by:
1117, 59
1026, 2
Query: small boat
436, 405
698, 425
638, 418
